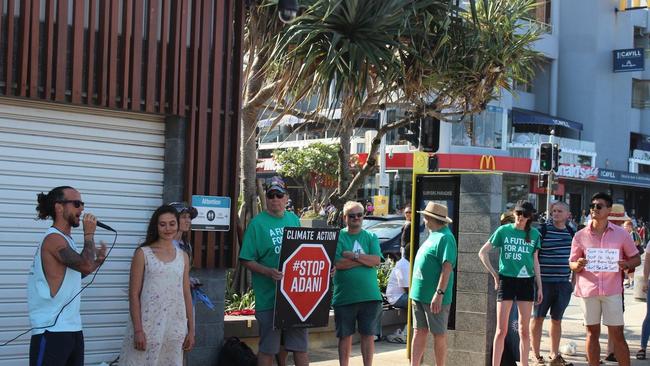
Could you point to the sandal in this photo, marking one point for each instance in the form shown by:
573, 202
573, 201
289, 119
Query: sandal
640, 354
610, 357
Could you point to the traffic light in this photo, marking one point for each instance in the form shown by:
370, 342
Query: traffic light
429, 134
542, 180
433, 164
410, 133
556, 157
545, 157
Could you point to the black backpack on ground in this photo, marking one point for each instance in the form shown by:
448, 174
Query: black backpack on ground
235, 352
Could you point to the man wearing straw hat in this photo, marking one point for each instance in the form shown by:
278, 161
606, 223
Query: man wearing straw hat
432, 284
601, 288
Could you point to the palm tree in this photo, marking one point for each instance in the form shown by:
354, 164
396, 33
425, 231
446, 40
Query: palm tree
431, 55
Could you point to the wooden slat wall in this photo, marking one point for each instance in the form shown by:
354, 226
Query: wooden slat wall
111, 54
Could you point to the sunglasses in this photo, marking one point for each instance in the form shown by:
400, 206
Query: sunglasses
522, 213
595, 206
274, 195
355, 216
76, 203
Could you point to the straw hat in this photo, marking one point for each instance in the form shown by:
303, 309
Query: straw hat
617, 213
437, 211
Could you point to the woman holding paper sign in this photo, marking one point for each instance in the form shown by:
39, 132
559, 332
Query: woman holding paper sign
517, 277
601, 291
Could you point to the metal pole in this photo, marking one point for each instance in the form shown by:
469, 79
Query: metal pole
383, 116
549, 183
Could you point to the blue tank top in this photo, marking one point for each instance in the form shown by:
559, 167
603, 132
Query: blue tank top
44, 308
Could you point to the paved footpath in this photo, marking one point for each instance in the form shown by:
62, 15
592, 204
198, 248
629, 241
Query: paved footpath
390, 354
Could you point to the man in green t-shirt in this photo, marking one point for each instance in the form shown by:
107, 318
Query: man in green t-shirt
356, 297
432, 284
260, 253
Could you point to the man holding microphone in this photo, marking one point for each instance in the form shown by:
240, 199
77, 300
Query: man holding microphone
55, 279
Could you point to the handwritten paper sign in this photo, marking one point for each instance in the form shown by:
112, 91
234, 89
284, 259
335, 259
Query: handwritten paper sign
602, 260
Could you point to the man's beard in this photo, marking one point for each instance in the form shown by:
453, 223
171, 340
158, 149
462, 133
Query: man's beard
73, 222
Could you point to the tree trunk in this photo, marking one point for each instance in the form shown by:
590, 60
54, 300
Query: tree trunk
336, 198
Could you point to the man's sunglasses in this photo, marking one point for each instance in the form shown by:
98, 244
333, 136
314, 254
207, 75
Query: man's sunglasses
76, 203
595, 206
355, 216
274, 195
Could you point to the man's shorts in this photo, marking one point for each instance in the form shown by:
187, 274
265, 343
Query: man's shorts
424, 318
366, 314
295, 340
402, 302
57, 348
557, 296
610, 308
513, 288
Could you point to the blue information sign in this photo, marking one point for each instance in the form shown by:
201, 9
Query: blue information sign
630, 59
213, 213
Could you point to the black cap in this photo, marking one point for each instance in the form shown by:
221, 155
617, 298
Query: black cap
525, 206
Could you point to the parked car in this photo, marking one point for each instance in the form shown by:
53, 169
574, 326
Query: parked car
369, 221
389, 233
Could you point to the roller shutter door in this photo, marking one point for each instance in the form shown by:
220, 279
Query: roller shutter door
116, 162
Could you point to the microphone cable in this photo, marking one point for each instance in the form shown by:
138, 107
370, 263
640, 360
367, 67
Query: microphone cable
92, 279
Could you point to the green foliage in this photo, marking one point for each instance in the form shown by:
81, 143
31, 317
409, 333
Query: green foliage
312, 166
383, 273
235, 301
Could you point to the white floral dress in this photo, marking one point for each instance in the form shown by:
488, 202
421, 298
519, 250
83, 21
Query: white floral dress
164, 320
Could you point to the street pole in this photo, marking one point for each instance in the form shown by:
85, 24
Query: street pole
383, 117
549, 183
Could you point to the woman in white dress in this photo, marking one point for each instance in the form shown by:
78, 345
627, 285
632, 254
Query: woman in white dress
160, 302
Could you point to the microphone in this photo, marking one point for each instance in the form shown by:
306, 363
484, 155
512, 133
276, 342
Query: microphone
104, 226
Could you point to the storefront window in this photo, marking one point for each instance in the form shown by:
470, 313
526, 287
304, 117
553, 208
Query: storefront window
515, 188
482, 130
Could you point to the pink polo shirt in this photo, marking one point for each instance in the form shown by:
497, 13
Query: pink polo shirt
590, 284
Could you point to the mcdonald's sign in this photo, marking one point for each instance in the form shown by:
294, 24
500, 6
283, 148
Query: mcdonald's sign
487, 163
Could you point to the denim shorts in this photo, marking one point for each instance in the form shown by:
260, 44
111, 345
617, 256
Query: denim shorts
366, 314
557, 296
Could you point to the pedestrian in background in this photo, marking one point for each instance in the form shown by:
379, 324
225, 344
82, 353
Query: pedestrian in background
356, 297
556, 281
517, 277
160, 303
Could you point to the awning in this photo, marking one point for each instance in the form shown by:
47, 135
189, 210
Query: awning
526, 117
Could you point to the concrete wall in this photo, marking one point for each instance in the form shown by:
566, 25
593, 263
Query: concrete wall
589, 91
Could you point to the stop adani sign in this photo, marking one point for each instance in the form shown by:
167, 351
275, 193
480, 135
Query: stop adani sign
304, 294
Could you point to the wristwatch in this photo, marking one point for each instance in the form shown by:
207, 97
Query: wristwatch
356, 256
440, 292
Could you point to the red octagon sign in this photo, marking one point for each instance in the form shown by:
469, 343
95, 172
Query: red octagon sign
306, 278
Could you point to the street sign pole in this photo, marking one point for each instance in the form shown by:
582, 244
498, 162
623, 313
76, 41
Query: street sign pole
549, 184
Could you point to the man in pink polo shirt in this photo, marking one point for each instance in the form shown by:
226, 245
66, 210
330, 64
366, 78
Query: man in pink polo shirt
598, 280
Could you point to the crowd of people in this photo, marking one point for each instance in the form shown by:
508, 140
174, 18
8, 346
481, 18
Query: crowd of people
539, 270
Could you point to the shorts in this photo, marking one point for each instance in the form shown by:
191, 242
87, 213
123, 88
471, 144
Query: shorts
295, 339
513, 288
366, 314
557, 296
424, 318
57, 348
610, 308
402, 302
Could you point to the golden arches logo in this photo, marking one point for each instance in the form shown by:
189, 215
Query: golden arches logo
488, 163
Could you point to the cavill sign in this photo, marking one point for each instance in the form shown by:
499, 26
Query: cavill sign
629, 59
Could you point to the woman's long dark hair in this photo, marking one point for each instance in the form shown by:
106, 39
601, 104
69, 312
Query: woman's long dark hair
529, 222
152, 229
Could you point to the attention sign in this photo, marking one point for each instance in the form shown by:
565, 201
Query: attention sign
303, 298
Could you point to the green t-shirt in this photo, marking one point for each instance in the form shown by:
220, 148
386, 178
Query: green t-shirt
357, 284
516, 256
439, 247
262, 244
